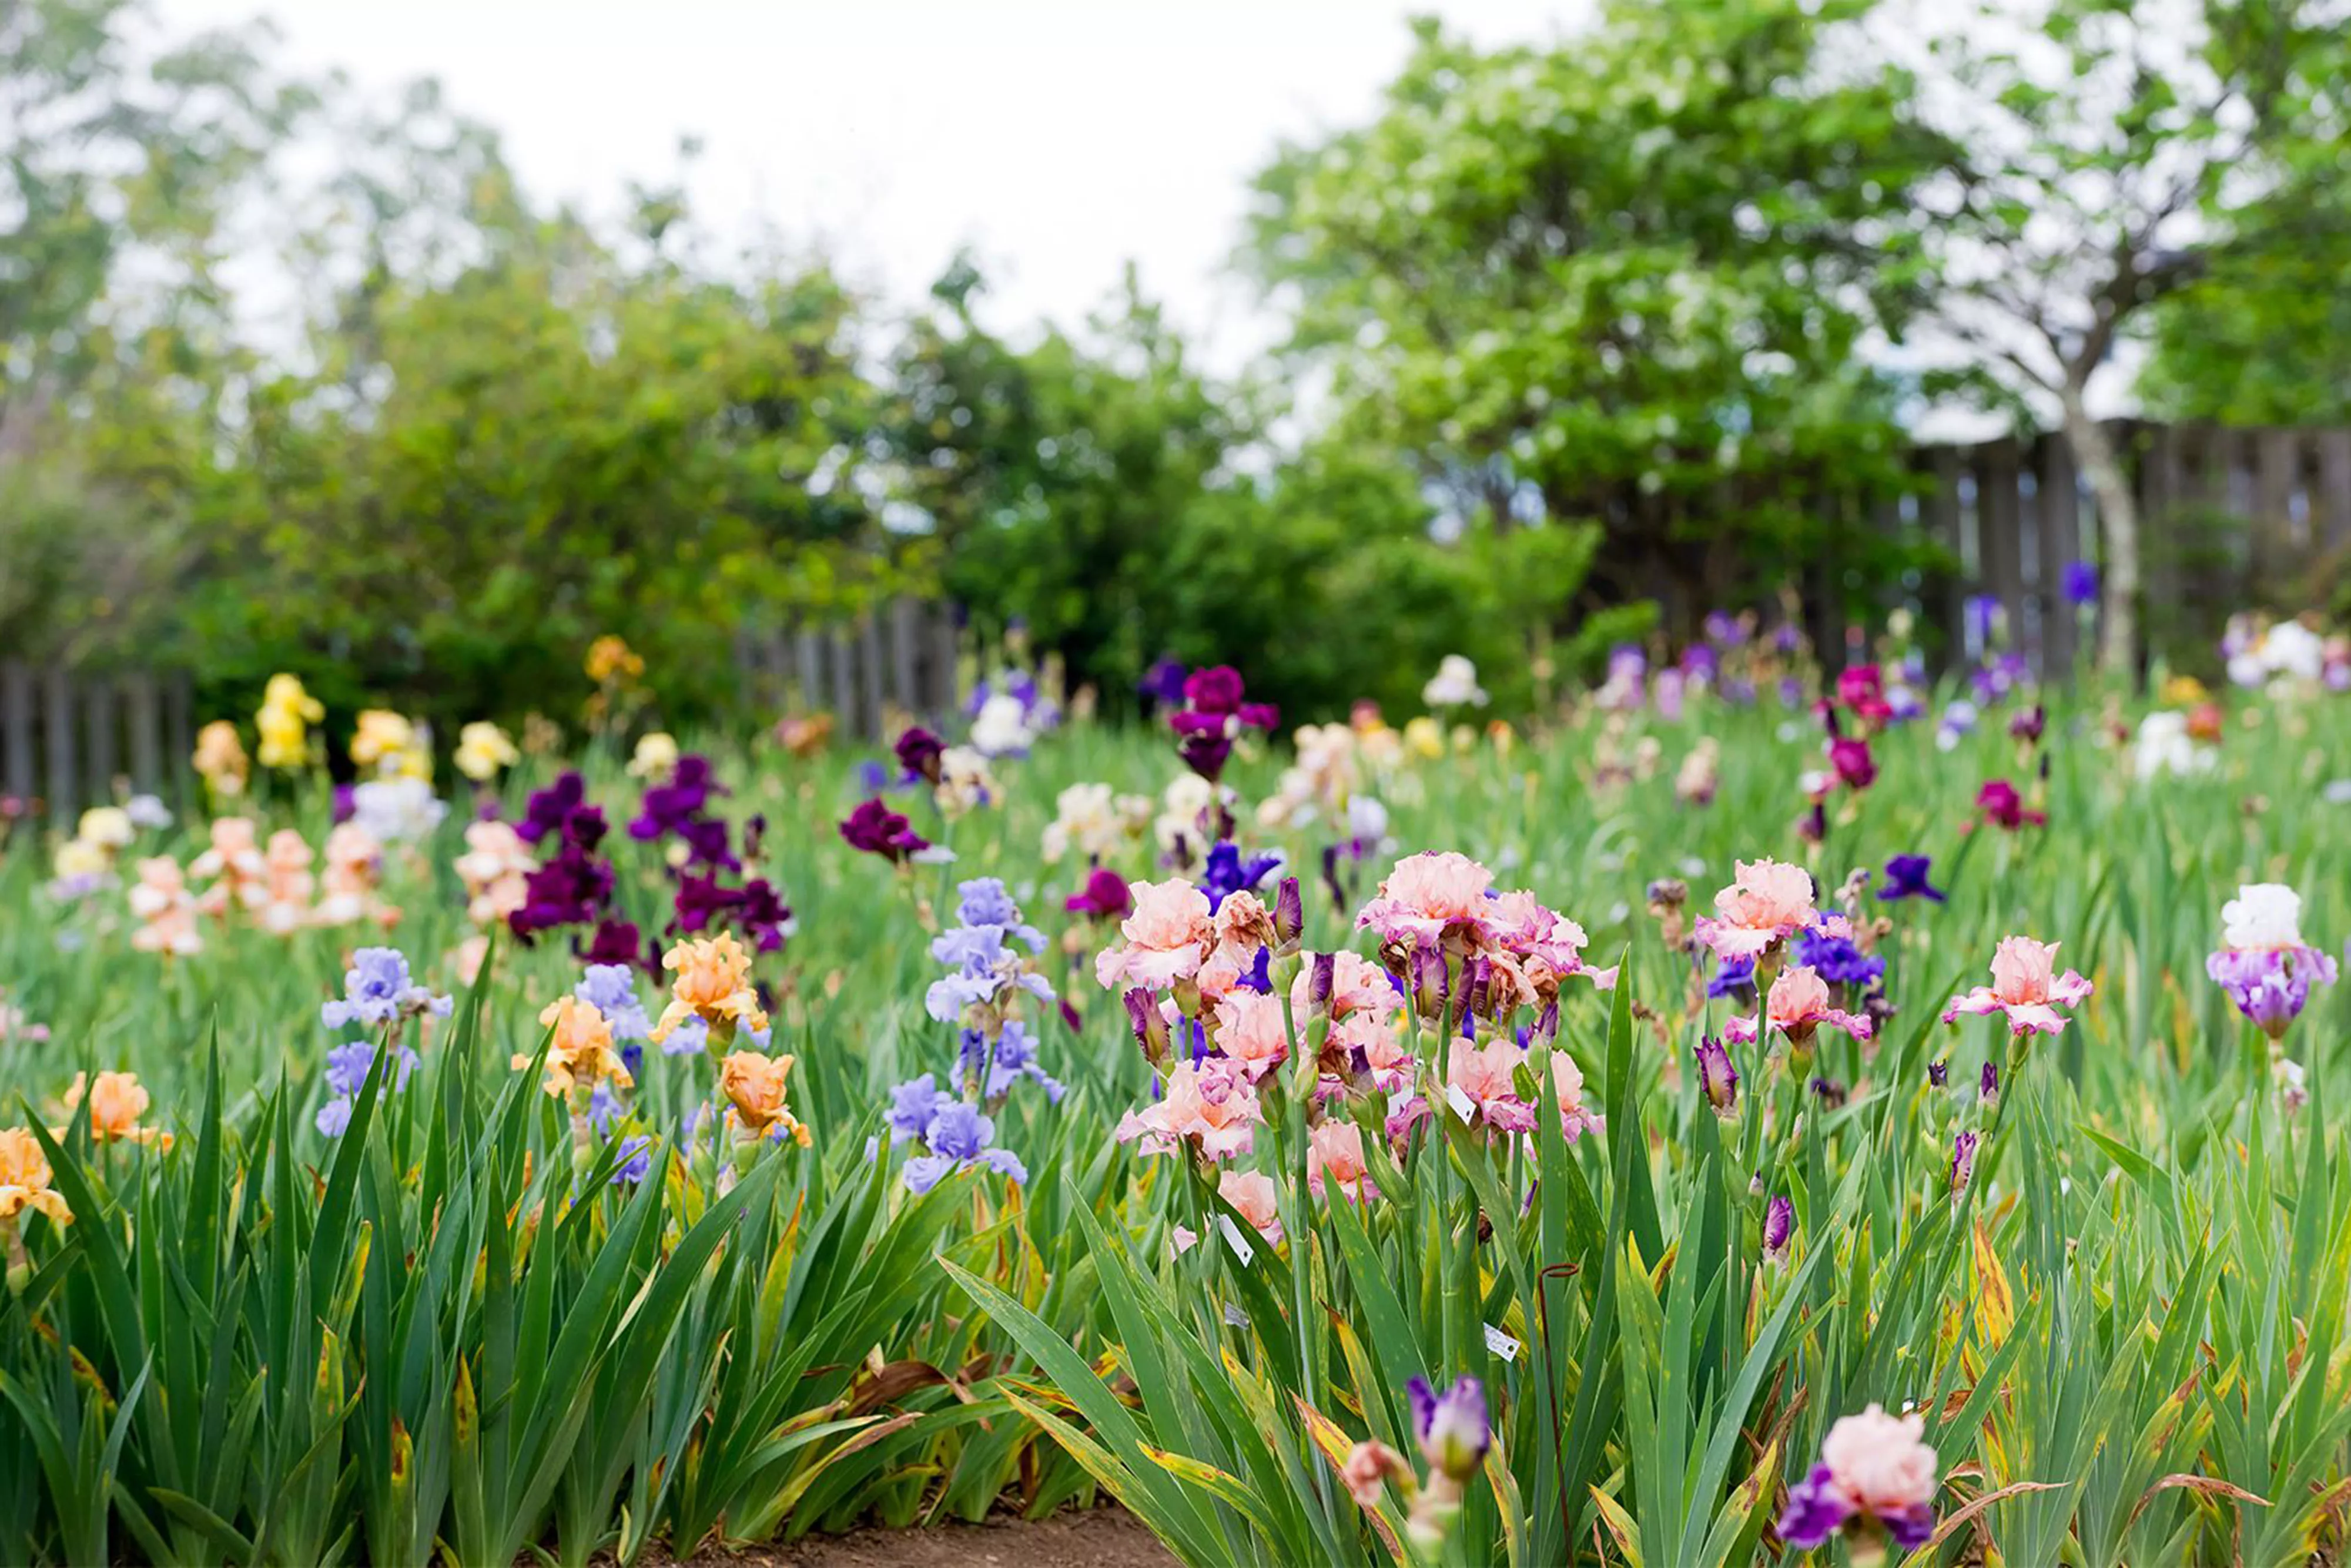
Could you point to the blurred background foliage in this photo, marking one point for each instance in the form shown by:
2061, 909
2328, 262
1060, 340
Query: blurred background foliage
1578, 337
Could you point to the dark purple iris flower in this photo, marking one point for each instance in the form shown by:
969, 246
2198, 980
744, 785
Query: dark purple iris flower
1906, 877
919, 752
875, 829
1227, 873
1105, 896
549, 809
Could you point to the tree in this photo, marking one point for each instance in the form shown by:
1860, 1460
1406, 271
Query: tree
1631, 278
2114, 153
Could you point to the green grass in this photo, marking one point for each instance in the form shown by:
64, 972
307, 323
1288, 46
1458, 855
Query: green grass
433, 1335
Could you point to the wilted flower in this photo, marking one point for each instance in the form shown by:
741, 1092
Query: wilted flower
1963, 1161
918, 752
1875, 1472
1370, 1465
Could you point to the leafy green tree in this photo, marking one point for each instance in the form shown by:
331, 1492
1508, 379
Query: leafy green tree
2261, 337
1630, 278
2113, 154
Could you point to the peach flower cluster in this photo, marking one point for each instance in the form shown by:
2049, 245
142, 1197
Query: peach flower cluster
2026, 986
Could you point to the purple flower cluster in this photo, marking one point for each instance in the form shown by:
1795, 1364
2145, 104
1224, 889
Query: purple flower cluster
951, 1133
756, 909
983, 964
680, 808
1839, 960
571, 886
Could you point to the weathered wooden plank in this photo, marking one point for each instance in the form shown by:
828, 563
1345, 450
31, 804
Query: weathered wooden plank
2059, 498
2330, 512
841, 659
100, 756
180, 732
871, 656
906, 654
18, 774
2276, 454
2000, 528
1945, 599
2165, 482
143, 719
57, 745
946, 655
809, 661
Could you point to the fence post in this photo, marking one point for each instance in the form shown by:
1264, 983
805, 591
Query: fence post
179, 734
905, 654
1939, 511
2000, 532
2060, 495
16, 731
2277, 458
57, 723
871, 659
99, 766
947, 653
844, 682
2330, 504
146, 738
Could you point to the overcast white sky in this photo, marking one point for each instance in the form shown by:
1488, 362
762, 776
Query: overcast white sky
1060, 137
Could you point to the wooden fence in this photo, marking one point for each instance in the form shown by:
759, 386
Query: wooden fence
70, 738
2227, 518
67, 739
2226, 515
903, 659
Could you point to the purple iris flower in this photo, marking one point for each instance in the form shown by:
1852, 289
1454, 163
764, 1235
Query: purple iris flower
919, 753
1013, 1058
876, 830
1226, 873
376, 991
1837, 959
1984, 616
1906, 877
617, 942
636, 1160
1733, 978
1779, 1225
2271, 986
1105, 896
912, 1105
2081, 582
549, 809
960, 1135
1163, 684
1451, 1428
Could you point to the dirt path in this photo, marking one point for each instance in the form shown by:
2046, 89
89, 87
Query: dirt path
1097, 1538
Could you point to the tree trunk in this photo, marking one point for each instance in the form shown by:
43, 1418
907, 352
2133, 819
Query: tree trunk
2118, 529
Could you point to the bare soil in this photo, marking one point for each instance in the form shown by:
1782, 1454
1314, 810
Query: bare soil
1095, 1537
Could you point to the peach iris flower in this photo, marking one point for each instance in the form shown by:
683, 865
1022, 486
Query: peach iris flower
2024, 985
